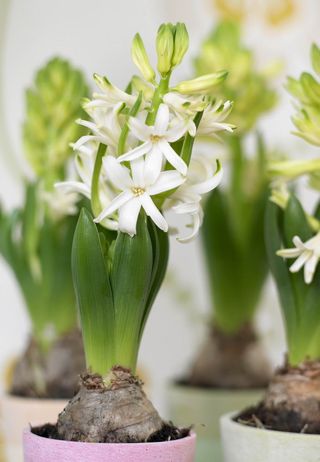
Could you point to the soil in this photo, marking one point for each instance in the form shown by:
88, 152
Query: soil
167, 433
283, 421
231, 361
292, 401
112, 410
53, 374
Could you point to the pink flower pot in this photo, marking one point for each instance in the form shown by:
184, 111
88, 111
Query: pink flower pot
39, 449
16, 413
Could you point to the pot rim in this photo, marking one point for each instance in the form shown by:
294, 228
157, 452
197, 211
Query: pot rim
207, 390
192, 437
228, 419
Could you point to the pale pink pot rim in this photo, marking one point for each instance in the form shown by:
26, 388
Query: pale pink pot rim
41, 449
27, 433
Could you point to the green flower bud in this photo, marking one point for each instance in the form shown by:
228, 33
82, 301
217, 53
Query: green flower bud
140, 85
141, 59
52, 106
181, 43
315, 58
249, 88
165, 48
311, 88
201, 85
294, 87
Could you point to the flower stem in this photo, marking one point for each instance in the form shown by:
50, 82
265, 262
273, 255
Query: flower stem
161, 90
95, 199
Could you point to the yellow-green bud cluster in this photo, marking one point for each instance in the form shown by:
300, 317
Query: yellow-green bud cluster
306, 90
248, 88
53, 104
172, 44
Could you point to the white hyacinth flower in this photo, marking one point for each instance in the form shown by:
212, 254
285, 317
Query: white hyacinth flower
213, 119
307, 254
61, 204
111, 95
156, 143
202, 178
84, 163
105, 128
136, 189
186, 108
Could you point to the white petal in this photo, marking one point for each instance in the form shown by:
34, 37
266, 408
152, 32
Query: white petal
173, 158
186, 207
210, 184
162, 120
139, 129
74, 187
86, 138
128, 215
196, 218
177, 132
298, 243
136, 152
192, 129
167, 180
289, 253
310, 268
153, 212
301, 260
137, 168
117, 202
91, 125
153, 164
116, 173
110, 224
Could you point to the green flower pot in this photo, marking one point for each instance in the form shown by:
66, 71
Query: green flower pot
203, 408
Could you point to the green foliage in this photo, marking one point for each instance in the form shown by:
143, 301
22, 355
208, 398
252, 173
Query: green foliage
116, 278
306, 91
300, 302
53, 104
249, 88
233, 240
35, 242
39, 256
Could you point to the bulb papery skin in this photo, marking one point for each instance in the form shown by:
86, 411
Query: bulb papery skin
119, 412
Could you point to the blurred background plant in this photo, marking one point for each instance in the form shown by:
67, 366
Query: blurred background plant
293, 228
273, 12
36, 238
232, 232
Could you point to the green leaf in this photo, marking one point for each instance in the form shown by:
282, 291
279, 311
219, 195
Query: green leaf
295, 222
160, 246
282, 277
30, 221
131, 278
94, 295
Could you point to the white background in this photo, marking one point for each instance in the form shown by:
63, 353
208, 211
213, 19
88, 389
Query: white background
96, 35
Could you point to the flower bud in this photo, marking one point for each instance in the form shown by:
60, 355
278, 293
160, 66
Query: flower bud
52, 105
181, 43
202, 85
141, 59
311, 88
165, 48
315, 58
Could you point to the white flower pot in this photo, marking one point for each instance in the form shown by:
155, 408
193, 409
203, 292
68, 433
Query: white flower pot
16, 414
246, 444
203, 408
